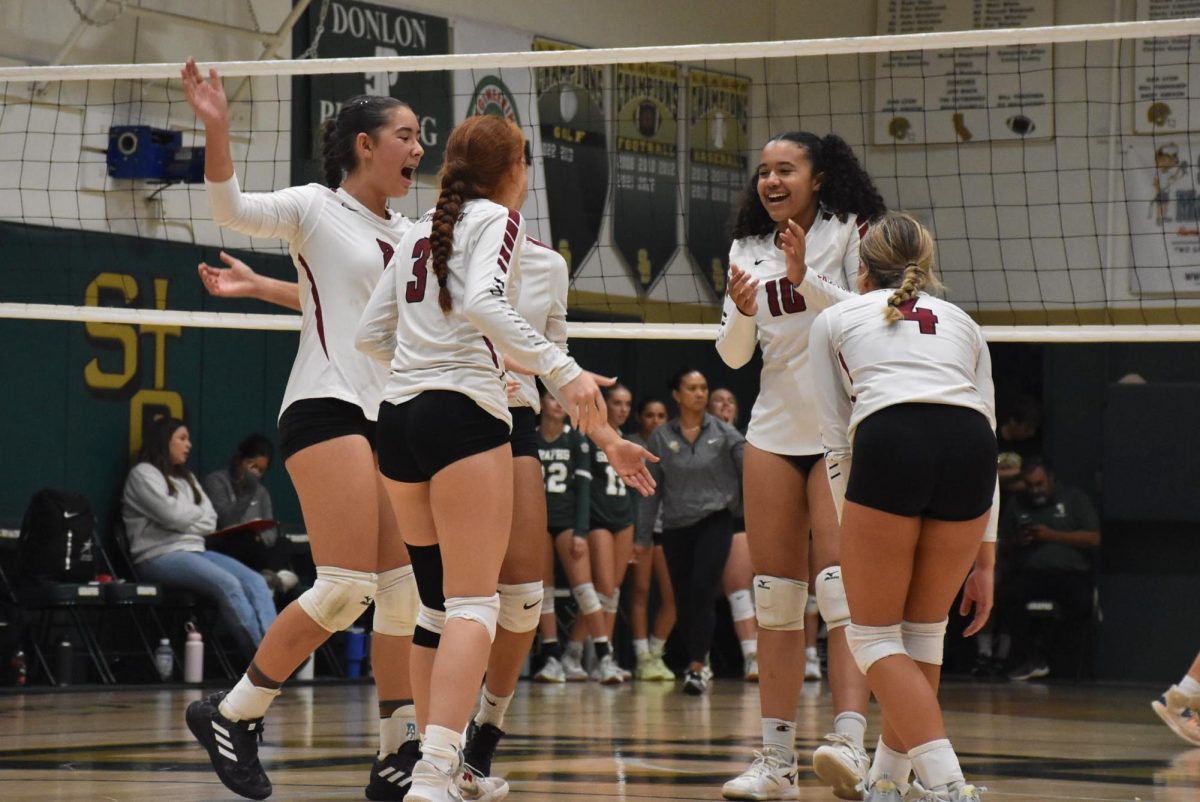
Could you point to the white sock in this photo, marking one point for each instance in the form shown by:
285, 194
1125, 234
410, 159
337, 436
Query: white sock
657, 646
492, 708
247, 700
575, 649
1190, 687
641, 647
983, 644
810, 653
852, 725
891, 764
397, 728
780, 735
440, 747
749, 648
936, 764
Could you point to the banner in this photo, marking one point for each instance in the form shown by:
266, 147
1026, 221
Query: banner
352, 29
574, 148
646, 207
1164, 214
1165, 70
718, 138
969, 94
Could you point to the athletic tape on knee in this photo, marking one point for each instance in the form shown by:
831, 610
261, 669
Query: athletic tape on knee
869, 645
483, 610
609, 604
396, 602
520, 606
831, 597
741, 605
338, 597
431, 620
586, 597
779, 602
811, 607
925, 642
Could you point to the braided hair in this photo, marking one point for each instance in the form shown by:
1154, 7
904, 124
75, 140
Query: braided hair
361, 114
898, 253
846, 188
479, 154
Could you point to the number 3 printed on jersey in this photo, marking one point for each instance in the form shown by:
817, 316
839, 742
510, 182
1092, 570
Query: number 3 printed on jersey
414, 291
782, 297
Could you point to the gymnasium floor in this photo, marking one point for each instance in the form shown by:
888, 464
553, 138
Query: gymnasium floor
585, 742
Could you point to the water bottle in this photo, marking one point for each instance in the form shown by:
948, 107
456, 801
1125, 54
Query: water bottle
64, 661
19, 670
356, 651
193, 656
164, 660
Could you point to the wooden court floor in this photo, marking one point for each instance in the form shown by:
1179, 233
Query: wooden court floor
586, 742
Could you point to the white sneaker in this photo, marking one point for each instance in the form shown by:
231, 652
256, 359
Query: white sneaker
609, 671
956, 792
573, 669
1179, 713
883, 790
551, 671
475, 787
770, 776
707, 672
752, 668
842, 765
812, 668
430, 784
626, 674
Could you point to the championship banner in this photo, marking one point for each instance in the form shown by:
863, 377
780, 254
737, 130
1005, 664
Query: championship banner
574, 147
507, 93
1164, 214
1164, 72
350, 30
646, 207
718, 136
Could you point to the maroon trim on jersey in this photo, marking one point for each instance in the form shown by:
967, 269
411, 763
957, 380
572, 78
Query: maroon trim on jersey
538, 242
510, 239
316, 304
388, 250
488, 343
842, 362
863, 224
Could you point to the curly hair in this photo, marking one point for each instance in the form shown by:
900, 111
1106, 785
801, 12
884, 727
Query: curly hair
898, 253
479, 154
846, 188
361, 114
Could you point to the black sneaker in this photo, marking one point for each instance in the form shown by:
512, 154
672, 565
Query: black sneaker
481, 747
232, 747
1030, 669
391, 777
694, 683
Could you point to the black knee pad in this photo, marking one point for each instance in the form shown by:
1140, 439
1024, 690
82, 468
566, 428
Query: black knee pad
427, 568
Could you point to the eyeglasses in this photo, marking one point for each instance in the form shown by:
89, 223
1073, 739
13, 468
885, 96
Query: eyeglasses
528, 154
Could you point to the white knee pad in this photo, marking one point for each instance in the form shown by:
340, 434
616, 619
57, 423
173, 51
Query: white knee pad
520, 606
779, 602
871, 644
483, 610
586, 597
338, 597
548, 601
831, 597
431, 620
812, 608
610, 604
925, 642
396, 602
741, 605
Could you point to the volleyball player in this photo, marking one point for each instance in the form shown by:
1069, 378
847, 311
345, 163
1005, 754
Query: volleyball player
340, 237
907, 408
445, 425
649, 563
738, 576
1179, 706
795, 252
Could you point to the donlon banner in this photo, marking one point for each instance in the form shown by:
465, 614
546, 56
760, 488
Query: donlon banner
351, 29
646, 200
570, 106
718, 135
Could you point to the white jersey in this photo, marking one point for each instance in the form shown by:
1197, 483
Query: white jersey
340, 249
784, 417
543, 302
862, 363
462, 350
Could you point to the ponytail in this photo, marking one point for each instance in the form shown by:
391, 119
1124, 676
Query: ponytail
455, 192
362, 114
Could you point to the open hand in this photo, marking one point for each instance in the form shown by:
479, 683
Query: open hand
236, 280
743, 291
206, 97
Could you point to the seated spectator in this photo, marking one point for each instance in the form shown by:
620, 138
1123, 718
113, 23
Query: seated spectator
1048, 536
167, 517
1018, 438
239, 497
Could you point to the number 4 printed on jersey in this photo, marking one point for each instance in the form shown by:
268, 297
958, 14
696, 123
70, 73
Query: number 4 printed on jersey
925, 318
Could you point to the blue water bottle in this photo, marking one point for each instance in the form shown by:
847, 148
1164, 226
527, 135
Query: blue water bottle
356, 651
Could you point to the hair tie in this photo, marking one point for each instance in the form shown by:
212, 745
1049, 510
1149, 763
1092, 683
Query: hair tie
911, 264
